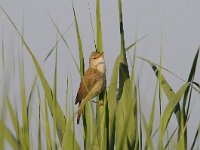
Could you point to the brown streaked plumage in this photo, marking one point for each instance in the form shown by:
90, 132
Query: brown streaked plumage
93, 81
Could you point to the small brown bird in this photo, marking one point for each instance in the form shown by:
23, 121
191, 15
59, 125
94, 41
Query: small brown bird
93, 81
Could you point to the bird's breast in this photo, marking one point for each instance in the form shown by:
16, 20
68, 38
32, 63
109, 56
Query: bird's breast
99, 86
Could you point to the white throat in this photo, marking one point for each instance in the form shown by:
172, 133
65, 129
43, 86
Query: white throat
101, 67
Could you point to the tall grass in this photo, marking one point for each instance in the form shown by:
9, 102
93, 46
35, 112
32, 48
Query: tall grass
119, 122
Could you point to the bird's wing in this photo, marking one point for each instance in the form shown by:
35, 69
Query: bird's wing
89, 79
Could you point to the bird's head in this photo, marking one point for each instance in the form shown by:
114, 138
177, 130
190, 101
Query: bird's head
97, 61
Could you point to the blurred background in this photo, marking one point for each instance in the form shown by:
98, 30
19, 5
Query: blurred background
173, 26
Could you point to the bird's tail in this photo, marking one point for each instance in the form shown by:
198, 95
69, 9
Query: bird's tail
80, 111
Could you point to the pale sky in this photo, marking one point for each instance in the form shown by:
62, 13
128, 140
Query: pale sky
177, 20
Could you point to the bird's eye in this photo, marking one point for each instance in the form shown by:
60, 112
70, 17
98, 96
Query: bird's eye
95, 57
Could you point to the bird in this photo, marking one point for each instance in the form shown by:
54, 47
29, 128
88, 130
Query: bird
92, 82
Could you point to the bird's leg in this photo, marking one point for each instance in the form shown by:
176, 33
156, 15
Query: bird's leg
94, 101
100, 103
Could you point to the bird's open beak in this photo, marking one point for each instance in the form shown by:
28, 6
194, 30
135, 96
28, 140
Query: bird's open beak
101, 55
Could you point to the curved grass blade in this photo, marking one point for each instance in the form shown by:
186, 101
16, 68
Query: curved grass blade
133, 44
150, 62
55, 45
149, 143
5, 132
25, 121
55, 94
149, 128
112, 96
171, 106
59, 116
69, 141
126, 128
126, 101
31, 93
184, 112
160, 68
81, 57
190, 79
14, 119
86, 114
170, 138
166, 87
123, 66
181, 137
47, 127
64, 41
112, 92
195, 137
